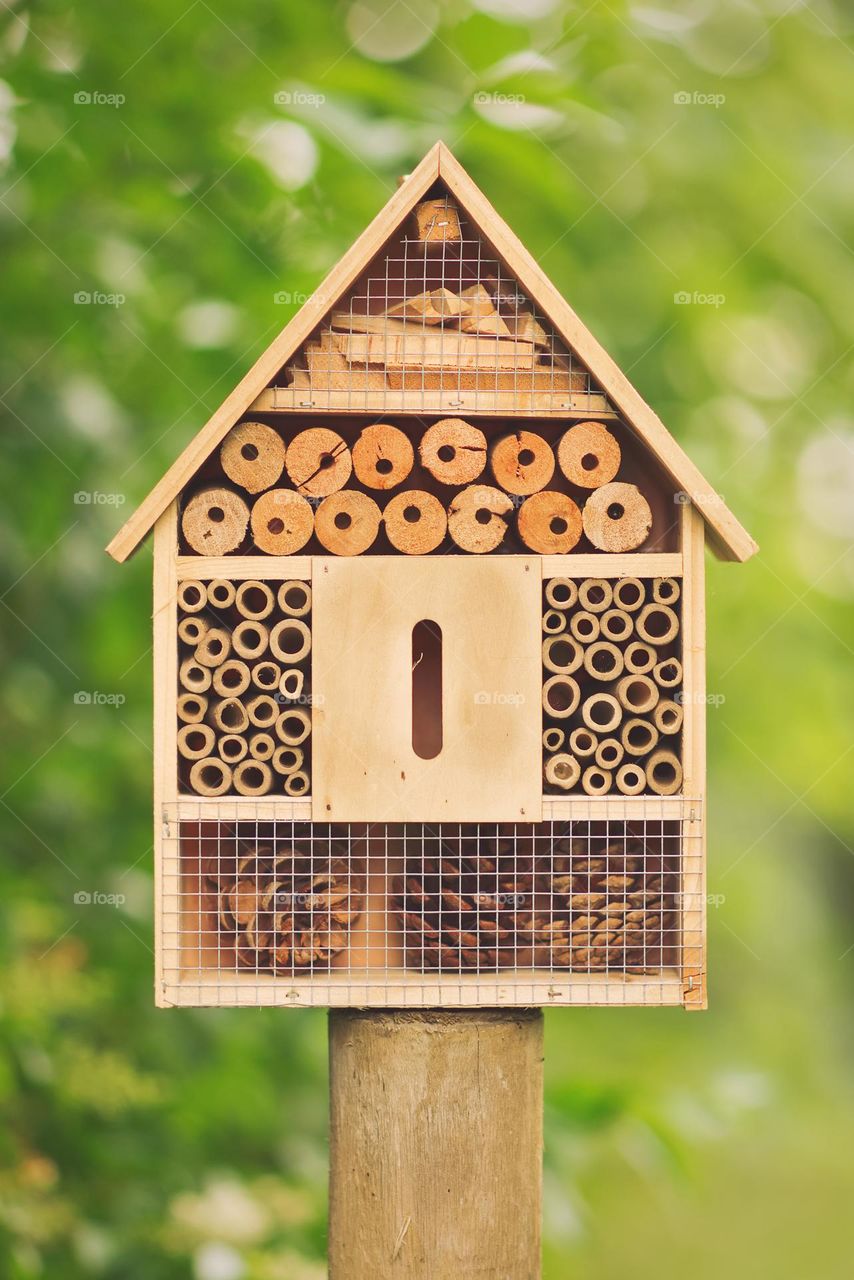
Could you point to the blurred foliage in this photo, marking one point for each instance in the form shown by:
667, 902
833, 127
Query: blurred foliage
183, 167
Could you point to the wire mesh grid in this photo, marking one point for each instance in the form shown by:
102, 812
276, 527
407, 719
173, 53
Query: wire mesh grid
259, 912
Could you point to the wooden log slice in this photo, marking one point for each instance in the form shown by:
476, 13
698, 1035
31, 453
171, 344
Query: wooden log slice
382, 456
522, 462
210, 777
347, 523
477, 518
214, 521
318, 462
617, 518
253, 456
415, 522
453, 451
588, 455
282, 522
549, 523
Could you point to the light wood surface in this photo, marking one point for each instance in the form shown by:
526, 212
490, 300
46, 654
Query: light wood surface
694, 758
165, 728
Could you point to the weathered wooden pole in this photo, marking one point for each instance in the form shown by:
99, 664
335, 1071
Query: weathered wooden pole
436, 1136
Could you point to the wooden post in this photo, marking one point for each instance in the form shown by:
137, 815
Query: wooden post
436, 1134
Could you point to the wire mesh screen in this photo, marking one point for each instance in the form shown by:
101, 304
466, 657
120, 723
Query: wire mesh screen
278, 912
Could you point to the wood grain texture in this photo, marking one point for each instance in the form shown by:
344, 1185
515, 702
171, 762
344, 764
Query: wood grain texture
165, 743
694, 759
435, 1145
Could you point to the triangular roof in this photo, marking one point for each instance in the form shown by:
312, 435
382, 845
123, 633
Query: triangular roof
728, 538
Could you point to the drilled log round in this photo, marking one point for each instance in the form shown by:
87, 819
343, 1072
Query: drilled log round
629, 594
290, 640
192, 707
668, 716
601, 712
231, 748
195, 741
638, 736
282, 522
616, 625
549, 523
554, 622
637, 694
318, 462
231, 679
584, 626
561, 695
603, 660
250, 639
588, 455
292, 683
253, 456
561, 593
657, 624
293, 726
210, 777
382, 456
664, 772
631, 779
477, 518
263, 711
230, 716
453, 451
415, 522
666, 590
596, 781
287, 759
214, 521
266, 675
254, 600
562, 654
639, 658
347, 523
253, 778
213, 648
191, 630
262, 746
192, 596
193, 677
553, 738
522, 462
295, 599
296, 783
617, 518
583, 743
562, 771
609, 753
667, 673
221, 593
595, 595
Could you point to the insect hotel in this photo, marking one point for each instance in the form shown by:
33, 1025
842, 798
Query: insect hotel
429, 650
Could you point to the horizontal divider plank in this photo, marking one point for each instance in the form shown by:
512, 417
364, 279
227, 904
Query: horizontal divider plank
205, 568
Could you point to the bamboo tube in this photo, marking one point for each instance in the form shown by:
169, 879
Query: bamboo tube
522, 462
588, 455
261, 746
250, 639
231, 748
603, 660
549, 523
254, 600
282, 522
616, 624
192, 596
583, 743
665, 590
617, 518
287, 759
230, 716
291, 683
595, 595
629, 594
253, 778
193, 677
562, 771
638, 737
667, 673
639, 658
561, 593
192, 707
584, 626
253, 456
631, 779
562, 654
596, 781
263, 711
221, 593
195, 741
609, 753
668, 716
296, 783
657, 624
561, 695
231, 679
477, 518
554, 622
290, 640
213, 648
192, 629
601, 712
210, 777
453, 451
266, 675
318, 462
664, 772
347, 523
214, 521
293, 726
382, 456
415, 522
637, 694
553, 738
295, 599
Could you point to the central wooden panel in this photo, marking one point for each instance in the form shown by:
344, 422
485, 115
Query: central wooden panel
365, 767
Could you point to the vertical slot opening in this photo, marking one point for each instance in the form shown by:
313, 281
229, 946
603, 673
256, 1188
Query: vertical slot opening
427, 689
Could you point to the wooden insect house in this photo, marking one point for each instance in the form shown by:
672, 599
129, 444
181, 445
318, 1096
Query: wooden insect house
429, 649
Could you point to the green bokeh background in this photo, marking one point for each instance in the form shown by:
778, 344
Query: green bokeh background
703, 149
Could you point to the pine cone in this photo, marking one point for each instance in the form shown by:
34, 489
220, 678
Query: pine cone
288, 911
